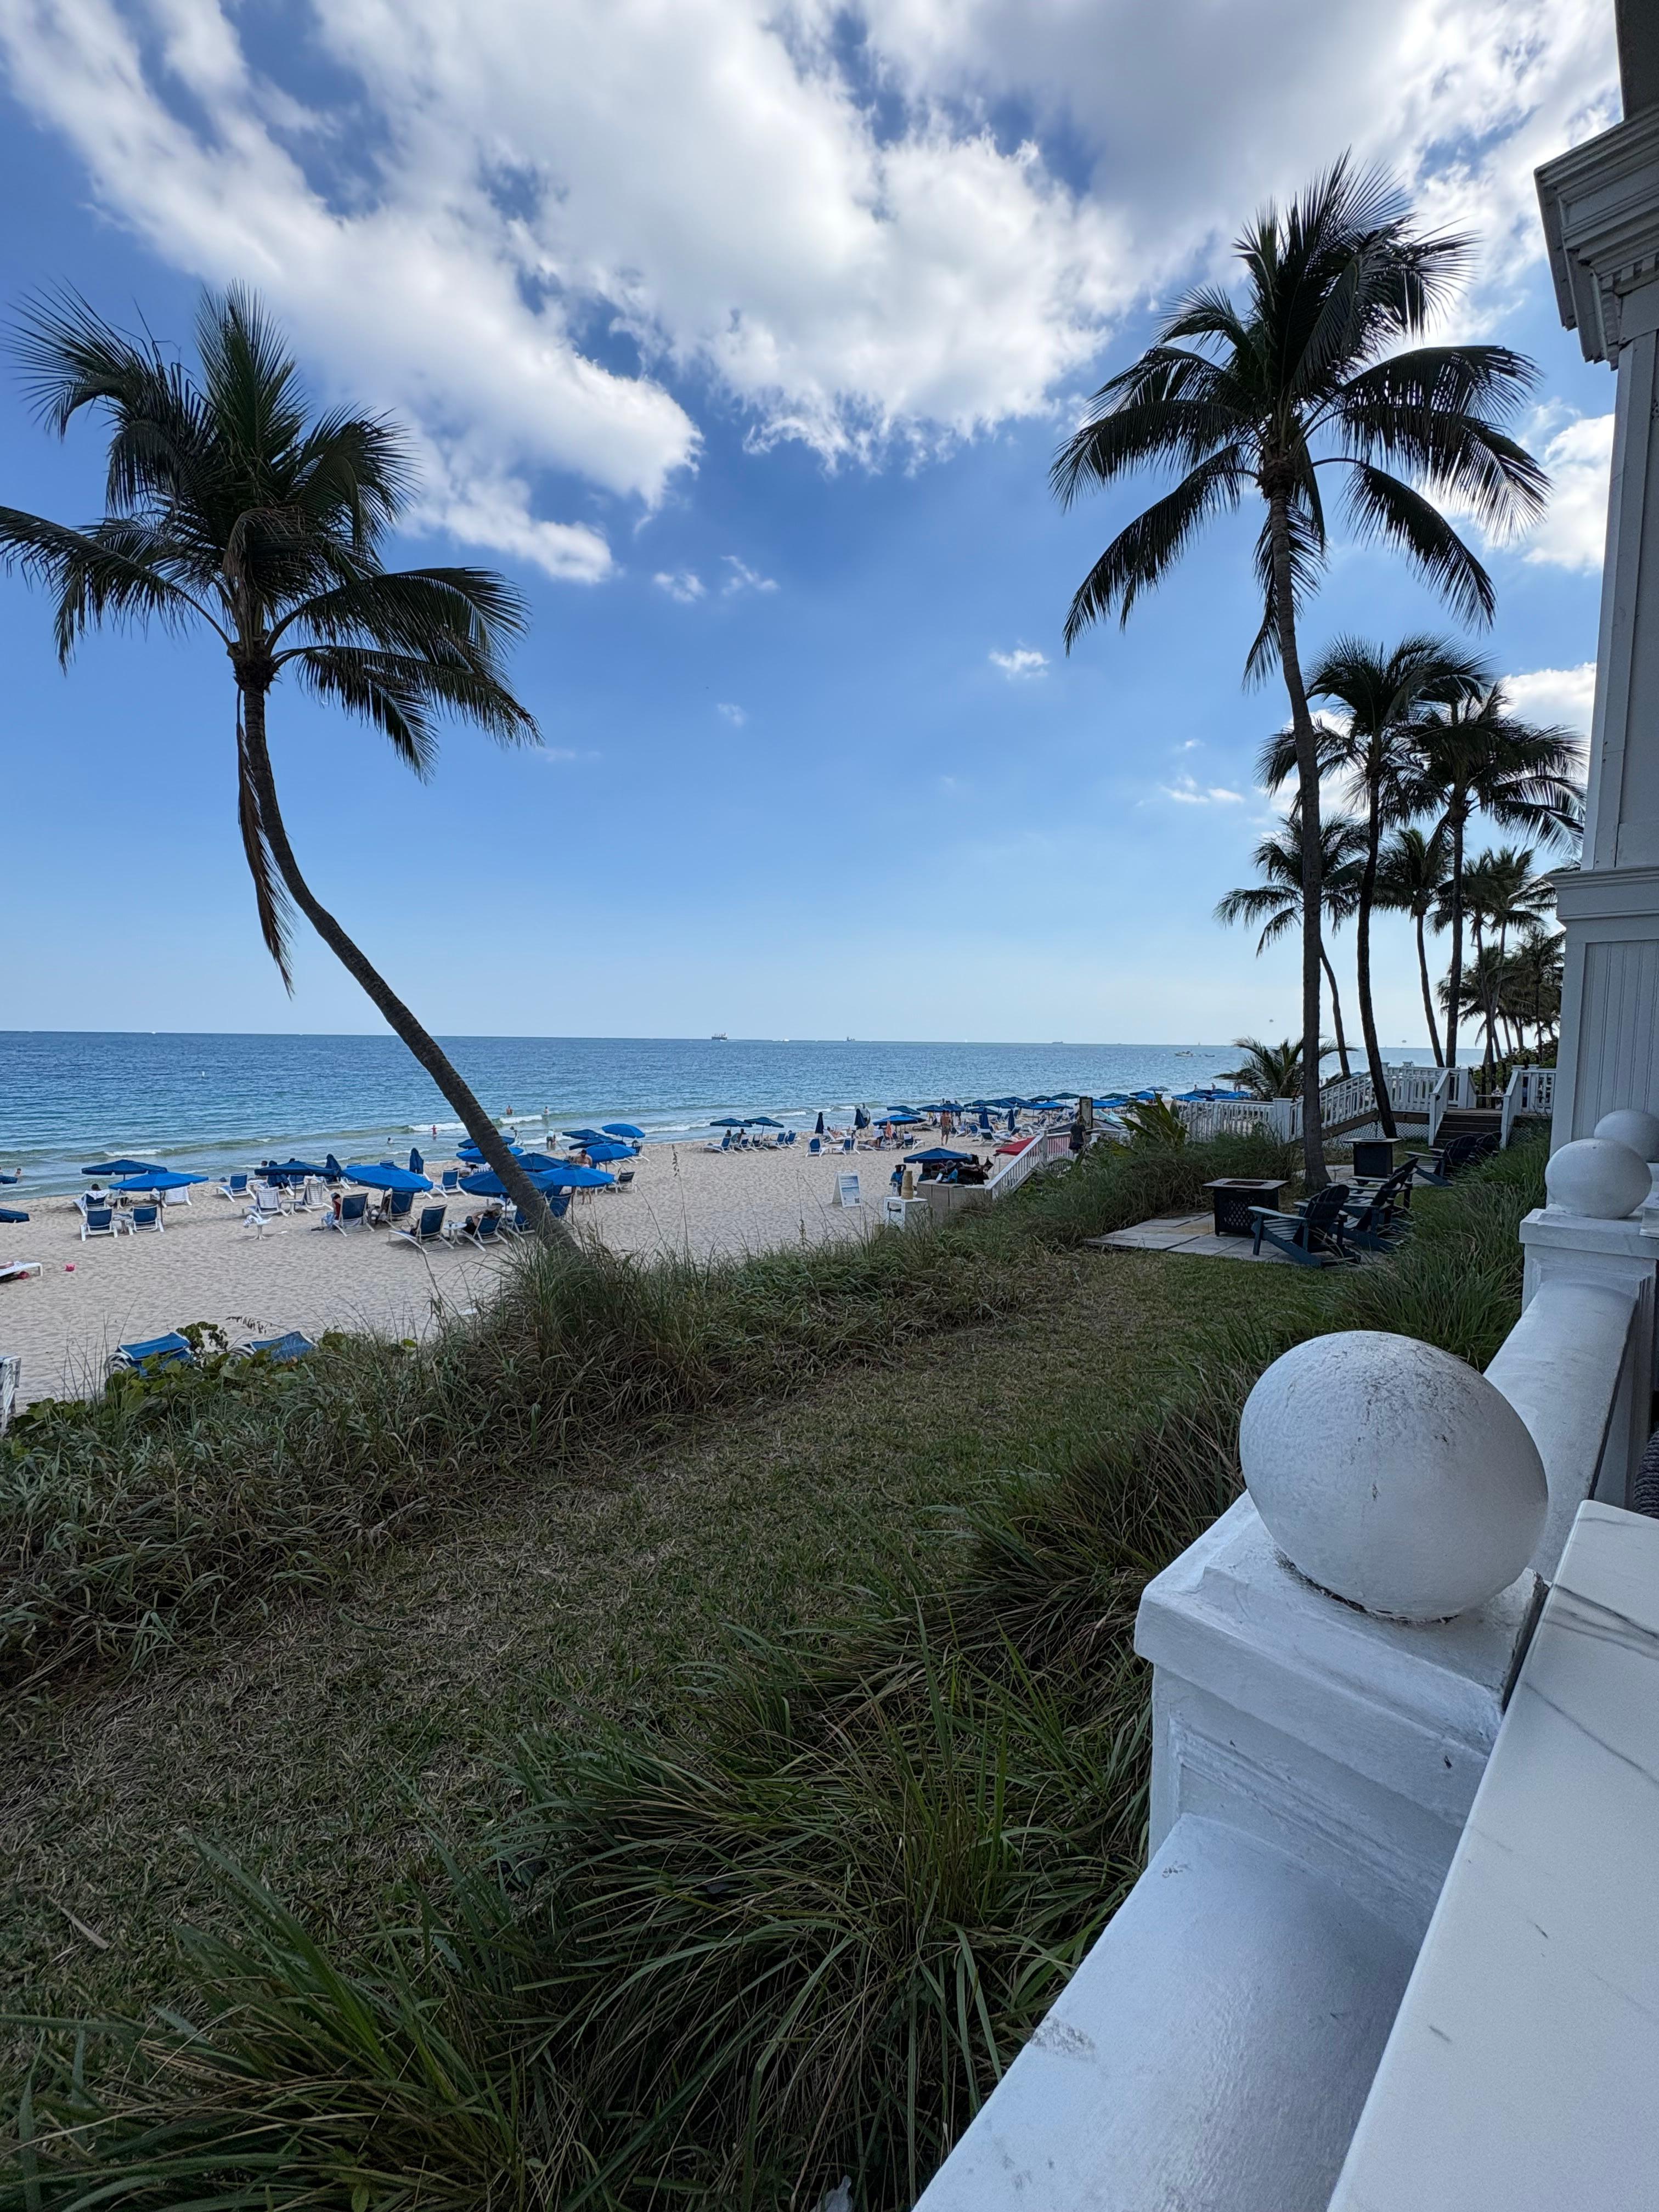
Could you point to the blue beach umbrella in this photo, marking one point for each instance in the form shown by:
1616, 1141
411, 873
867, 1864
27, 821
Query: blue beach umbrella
568, 1177
937, 1156
610, 1151
818, 1130
470, 1151
623, 1129
765, 1121
386, 1177
290, 1171
158, 1179
416, 1163
124, 1168
729, 1122
11, 1213
584, 1136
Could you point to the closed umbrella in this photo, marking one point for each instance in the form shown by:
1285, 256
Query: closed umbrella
623, 1129
860, 1118
818, 1131
416, 1163
385, 1177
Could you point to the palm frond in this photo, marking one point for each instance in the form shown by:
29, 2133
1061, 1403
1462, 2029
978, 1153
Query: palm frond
1382, 507
1168, 405
1139, 555
270, 895
115, 570
398, 691
1307, 536
250, 383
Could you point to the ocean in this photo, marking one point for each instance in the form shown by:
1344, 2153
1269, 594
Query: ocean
68, 1097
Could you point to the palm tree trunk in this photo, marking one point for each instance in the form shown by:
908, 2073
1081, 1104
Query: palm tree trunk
1456, 938
1362, 961
459, 1094
1307, 769
1336, 1012
1428, 994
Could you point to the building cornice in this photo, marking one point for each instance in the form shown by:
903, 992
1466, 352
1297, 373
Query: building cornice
1601, 208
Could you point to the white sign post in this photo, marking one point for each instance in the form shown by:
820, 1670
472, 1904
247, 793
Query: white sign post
847, 1191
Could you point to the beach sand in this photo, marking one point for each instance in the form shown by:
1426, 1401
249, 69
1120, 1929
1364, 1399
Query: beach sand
206, 1267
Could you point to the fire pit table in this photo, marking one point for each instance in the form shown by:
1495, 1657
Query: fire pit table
1233, 1197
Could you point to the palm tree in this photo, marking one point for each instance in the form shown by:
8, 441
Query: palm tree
228, 505
1270, 1071
1476, 757
1411, 879
1501, 893
1530, 986
1256, 398
1276, 901
1382, 696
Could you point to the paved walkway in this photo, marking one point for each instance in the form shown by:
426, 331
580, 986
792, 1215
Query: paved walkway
1192, 1234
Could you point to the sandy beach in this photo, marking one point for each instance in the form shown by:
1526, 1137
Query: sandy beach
207, 1266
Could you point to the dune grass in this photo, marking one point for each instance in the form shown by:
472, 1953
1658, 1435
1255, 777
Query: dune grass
793, 1922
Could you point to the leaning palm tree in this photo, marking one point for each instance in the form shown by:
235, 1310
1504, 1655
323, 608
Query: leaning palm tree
1476, 758
1530, 987
1382, 697
230, 505
1255, 397
1276, 901
1411, 879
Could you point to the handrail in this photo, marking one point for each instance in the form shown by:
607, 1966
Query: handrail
1529, 1090
1048, 1145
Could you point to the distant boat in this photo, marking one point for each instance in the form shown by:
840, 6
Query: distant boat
719, 1037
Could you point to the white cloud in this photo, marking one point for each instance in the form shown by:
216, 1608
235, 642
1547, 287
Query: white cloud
1186, 791
1024, 661
736, 715
523, 226
562, 756
682, 584
1573, 533
743, 578
1566, 695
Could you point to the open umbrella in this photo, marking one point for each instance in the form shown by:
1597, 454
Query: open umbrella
898, 1114
765, 1121
469, 1151
386, 1177
584, 1136
936, 1156
11, 1213
158, 1179
124, 1168
623, 1129
729, 1122
290, 1171
568, 1177
601, 1152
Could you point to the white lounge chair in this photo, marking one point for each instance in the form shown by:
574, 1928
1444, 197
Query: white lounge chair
19, 1271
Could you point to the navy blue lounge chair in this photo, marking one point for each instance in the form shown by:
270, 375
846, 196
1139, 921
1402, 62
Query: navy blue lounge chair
428, 1227
1310, 1238
280, 1351
157, 1351
144, 1217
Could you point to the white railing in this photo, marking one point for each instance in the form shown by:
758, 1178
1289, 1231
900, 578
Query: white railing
1453, 1091
1314, 1761
1206, 1118
1529, 1090
1345, 1098
1047, 1145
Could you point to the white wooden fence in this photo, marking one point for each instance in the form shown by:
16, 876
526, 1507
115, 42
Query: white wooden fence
1529, 1090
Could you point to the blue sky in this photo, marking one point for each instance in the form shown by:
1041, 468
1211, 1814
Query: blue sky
742, 336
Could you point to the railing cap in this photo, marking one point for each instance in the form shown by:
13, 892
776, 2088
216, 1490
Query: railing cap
1632, 1126
1598, 1176
1392, 1475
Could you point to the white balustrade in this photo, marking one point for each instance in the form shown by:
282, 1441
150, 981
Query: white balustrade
1332, 1661
1047, 1146
1529, 1090
1206, 1119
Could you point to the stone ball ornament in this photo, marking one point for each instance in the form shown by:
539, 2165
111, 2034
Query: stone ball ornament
1630, 1125
1598, 1178
1392, 1475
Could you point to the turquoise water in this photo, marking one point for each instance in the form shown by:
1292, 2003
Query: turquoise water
69, 1097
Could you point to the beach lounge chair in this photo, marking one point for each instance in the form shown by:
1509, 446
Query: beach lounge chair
1310, 1238
814, 1146
354, 1209
450, 1179
280, 1351
170, 1351
624, 1182
483, 1228
234, 1186
428, 1227
144, 1217
19, 1271
97, 1221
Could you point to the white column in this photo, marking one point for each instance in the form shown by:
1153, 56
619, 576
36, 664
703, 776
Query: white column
1600, 210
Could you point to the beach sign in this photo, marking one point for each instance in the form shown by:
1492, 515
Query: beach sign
847, 1191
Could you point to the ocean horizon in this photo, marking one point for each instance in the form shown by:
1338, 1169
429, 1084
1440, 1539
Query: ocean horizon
214, 1100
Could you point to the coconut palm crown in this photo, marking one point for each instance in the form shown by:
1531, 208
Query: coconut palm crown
229, 505
1270, 395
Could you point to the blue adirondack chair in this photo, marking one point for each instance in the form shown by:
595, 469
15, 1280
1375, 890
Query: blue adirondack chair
1310, 1238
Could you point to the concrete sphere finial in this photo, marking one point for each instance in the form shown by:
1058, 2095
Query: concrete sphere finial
1602, 1180
1630, 1125
1392, 1475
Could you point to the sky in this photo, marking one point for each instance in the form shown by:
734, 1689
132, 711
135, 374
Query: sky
740, 334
